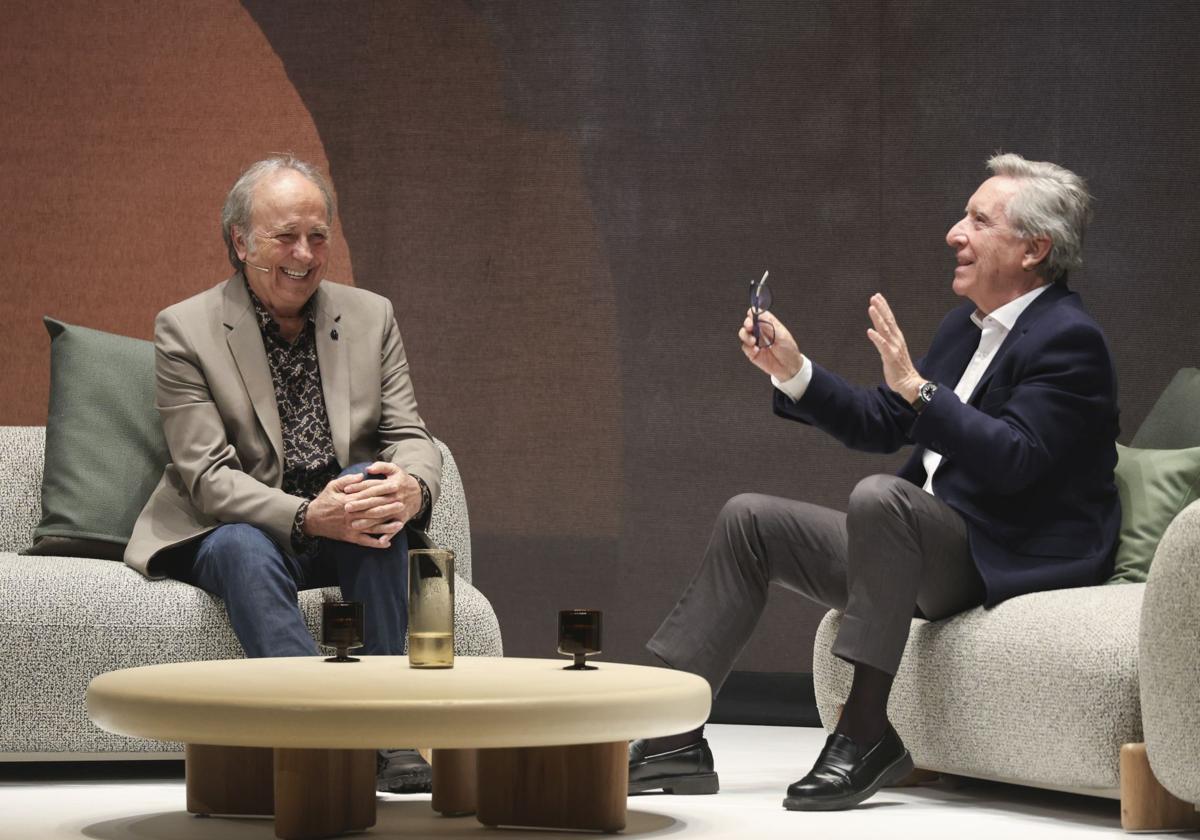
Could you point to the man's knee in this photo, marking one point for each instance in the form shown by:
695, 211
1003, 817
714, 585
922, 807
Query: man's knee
741, 508
740, 524
355, 469
875, 494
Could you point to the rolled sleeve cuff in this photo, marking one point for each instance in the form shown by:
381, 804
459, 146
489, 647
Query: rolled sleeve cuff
795, 387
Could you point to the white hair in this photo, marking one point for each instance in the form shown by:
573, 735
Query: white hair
1050, 201
239, 204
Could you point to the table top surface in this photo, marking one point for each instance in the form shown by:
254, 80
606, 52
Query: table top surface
379, 701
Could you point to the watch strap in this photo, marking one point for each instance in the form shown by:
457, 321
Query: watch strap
426, 497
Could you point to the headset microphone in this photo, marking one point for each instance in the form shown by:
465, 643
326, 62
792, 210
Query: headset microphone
259, 267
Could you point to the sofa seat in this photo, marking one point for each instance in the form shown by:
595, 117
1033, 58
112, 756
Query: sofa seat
1040, 690
65, 620
68, 619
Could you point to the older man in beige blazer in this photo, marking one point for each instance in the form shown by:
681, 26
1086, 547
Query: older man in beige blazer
297, 454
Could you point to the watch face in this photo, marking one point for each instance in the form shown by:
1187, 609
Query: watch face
927, 391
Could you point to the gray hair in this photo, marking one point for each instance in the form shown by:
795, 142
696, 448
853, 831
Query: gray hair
239, 204
1050, 201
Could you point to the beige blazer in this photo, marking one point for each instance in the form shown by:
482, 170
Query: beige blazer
217, 403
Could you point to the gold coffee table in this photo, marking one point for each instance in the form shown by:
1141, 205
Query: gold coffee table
516, 741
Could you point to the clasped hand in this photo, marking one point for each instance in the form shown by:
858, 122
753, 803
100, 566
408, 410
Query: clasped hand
783, 358
362, 511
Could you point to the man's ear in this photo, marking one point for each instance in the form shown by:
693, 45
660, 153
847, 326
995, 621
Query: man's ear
1037, 248
239, 242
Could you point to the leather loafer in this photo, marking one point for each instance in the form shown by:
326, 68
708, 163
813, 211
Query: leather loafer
845, 775
402, 771
687, 770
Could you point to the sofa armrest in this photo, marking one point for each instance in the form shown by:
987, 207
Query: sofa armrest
450, 526
1169, 657
22, 453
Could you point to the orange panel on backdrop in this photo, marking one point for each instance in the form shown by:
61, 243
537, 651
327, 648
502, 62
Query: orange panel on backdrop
125, 125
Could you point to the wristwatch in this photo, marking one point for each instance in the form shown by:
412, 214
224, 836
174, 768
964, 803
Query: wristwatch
924, 396
426, 496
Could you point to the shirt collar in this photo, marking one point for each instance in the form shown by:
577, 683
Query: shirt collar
1006, 316
268, 324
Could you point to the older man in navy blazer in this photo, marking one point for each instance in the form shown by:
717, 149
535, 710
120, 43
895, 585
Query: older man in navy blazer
1009, 490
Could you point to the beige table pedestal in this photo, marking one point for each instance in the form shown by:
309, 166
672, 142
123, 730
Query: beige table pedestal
519, 742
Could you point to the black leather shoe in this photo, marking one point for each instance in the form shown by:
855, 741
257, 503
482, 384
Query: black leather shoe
687, 770
844, 775
402, 771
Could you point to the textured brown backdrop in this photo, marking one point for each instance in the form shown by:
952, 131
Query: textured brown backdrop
565, 202
124, 125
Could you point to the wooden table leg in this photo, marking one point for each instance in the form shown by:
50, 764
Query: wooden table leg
455, 776
230, 780
320, 793
583, 786
1145, 804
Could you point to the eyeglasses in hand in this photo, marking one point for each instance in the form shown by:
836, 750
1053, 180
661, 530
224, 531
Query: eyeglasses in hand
760, 302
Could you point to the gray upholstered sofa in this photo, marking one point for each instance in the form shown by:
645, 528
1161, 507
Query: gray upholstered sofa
64, 620
1048, 689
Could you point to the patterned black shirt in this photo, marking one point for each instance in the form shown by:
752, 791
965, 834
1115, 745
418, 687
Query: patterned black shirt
309, 460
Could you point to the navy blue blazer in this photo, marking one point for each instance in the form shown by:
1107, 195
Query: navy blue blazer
1028, 459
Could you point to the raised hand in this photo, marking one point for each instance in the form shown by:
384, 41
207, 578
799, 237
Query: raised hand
782, 359
898, 370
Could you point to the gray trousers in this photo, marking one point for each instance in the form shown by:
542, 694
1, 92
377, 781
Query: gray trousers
896, 552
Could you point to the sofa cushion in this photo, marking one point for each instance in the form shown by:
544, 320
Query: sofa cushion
104, 444
1155, 485
1173, 422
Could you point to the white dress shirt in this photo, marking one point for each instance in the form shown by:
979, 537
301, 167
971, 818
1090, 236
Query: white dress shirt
994, 327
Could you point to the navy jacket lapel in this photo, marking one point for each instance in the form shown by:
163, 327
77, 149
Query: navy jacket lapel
1040, 306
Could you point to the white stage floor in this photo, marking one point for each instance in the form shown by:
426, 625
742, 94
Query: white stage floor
135, 801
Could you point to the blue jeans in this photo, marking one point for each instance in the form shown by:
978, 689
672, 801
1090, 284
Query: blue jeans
258, 582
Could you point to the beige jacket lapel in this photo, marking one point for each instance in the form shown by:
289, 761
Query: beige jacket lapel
334, 362
246, 345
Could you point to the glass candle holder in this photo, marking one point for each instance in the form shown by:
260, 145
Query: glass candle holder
342, 628
431, 608
579, 633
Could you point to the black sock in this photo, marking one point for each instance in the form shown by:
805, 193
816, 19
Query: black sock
864, 717
667, 743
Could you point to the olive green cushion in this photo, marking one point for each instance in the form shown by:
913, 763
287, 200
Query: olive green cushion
1155, 485
1174, 422
104, 443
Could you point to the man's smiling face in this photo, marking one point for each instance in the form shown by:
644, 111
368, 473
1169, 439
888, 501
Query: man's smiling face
287, 246
991, 255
